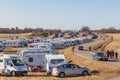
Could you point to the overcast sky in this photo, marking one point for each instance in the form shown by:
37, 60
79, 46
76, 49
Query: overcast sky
61, 14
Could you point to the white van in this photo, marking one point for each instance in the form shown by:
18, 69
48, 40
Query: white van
54, 60
11, 64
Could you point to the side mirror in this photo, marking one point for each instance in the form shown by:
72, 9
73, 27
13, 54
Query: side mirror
11, 65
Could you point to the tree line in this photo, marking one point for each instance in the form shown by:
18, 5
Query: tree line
103, 30
26, 30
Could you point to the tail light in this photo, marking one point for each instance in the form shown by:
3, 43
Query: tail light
57, 68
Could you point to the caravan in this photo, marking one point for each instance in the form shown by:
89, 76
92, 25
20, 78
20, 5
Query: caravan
34, 57
15, 42
54, 60
12, 65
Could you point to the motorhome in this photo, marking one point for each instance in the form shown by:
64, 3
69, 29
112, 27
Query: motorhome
11, 64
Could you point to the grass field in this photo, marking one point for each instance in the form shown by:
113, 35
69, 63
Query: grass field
14, 35
115, 44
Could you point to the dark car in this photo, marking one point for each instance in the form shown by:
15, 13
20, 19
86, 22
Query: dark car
99, 56
80, 48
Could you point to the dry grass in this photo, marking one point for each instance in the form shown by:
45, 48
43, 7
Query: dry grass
14, 35
115, 44
104, 69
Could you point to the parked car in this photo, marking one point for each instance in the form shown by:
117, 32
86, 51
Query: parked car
99, 56
70, 70
80, 48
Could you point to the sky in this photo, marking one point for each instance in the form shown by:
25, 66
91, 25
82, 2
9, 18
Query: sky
60, 14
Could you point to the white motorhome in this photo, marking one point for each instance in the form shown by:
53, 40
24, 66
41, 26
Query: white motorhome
54, 60
12, 65
58, 44
15, 42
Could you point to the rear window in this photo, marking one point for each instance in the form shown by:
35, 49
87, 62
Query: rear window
56, 61
30, 59
1, 60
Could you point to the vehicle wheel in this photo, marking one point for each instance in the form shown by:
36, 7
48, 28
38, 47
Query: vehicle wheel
85, 73
62, 75
13, 73
48, 73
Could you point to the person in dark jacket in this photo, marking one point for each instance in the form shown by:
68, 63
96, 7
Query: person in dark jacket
116, 55
108, 54
89, 48
112, 54
73, 49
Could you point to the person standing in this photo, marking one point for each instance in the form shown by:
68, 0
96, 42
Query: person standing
108, 54
89, 48
112, 53
116, 55
73, 49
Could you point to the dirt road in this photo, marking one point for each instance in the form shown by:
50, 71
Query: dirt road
87, 54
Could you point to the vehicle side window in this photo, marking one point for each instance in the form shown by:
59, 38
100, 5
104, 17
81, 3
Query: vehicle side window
67, 66
8, 62
30, 59
74, 66
56, 61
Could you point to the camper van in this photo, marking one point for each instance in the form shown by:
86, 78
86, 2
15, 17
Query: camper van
54, 60
12, 65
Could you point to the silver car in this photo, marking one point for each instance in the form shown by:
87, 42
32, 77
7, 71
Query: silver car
70, 70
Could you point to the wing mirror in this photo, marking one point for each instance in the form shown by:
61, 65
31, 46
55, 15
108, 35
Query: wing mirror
11, 65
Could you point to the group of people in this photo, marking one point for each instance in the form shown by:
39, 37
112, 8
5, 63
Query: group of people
112, 54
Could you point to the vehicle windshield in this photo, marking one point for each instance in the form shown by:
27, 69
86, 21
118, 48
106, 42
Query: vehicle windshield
17, 62
100, 54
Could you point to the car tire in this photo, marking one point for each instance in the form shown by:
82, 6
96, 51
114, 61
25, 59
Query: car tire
13, 73
85, 73
62, 75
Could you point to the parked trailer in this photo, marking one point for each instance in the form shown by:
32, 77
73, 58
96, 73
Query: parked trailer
41, 45
34, 58
11, 64
54, 60
15, 42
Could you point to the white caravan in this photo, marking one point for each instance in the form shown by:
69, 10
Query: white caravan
15, 42
34, 58
54, 60
12, 65
41, 45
